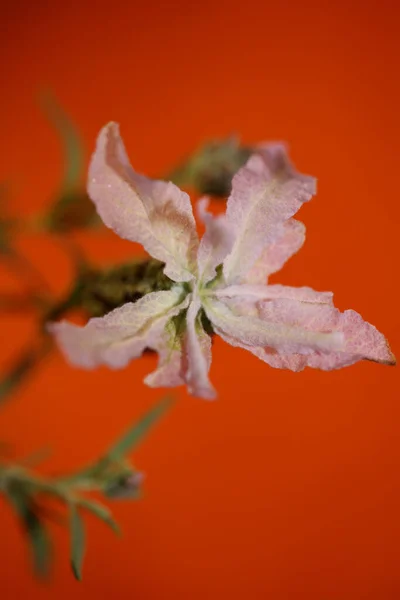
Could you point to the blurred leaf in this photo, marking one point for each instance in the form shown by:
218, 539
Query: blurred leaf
124, 445
77, 542
22, 367
72, 208
101, 512
71, 140
37, 535
18, 371
136, 433
72, 211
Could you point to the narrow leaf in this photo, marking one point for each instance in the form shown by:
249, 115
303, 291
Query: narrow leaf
101, 512
23, 366
139, 430
124, 445
77, 542
72, 208
35, 530
71, 139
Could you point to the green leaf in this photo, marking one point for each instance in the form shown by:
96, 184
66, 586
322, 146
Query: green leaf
72, 207
124, 445
100, 511
23, 366
77, 542
71, 139
35, 530
139, 430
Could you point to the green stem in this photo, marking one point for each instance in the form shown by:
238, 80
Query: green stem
23, 367
30, 358
26, 270
71, 300
12, 303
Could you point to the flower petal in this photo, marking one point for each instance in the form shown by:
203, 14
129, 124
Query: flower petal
265, 194
153, 213
362, 342
271, 292
285, 337
294, 362
361, 339
198, 352
121, 335
216, 242
185, 354
170, 371
275, 255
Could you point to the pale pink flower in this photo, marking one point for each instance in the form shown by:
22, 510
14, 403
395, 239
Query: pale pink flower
223, 276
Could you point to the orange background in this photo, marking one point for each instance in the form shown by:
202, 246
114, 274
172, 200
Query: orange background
286, 487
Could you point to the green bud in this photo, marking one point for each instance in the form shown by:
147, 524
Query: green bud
210, 170
124, 487
72, 210
104, 291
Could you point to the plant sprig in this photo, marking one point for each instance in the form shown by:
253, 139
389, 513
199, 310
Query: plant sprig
208, 170
112, 476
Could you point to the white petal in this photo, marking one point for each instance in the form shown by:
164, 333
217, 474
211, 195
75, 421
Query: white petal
198, 351
256, 331
185, 354
361, 340
266, 192
121, 335
153, 213
270, 292
216, 242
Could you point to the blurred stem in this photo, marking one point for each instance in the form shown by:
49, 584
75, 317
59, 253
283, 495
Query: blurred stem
11, 475
71, 300
23, 367
26, 271
34, 458
12, 303
30, 358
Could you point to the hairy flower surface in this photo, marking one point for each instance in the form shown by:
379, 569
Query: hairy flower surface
222, 277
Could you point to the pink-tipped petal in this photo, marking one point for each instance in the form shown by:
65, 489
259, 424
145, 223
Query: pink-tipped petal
266, 192
153, 213
361, 340
285, 337
121, 335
